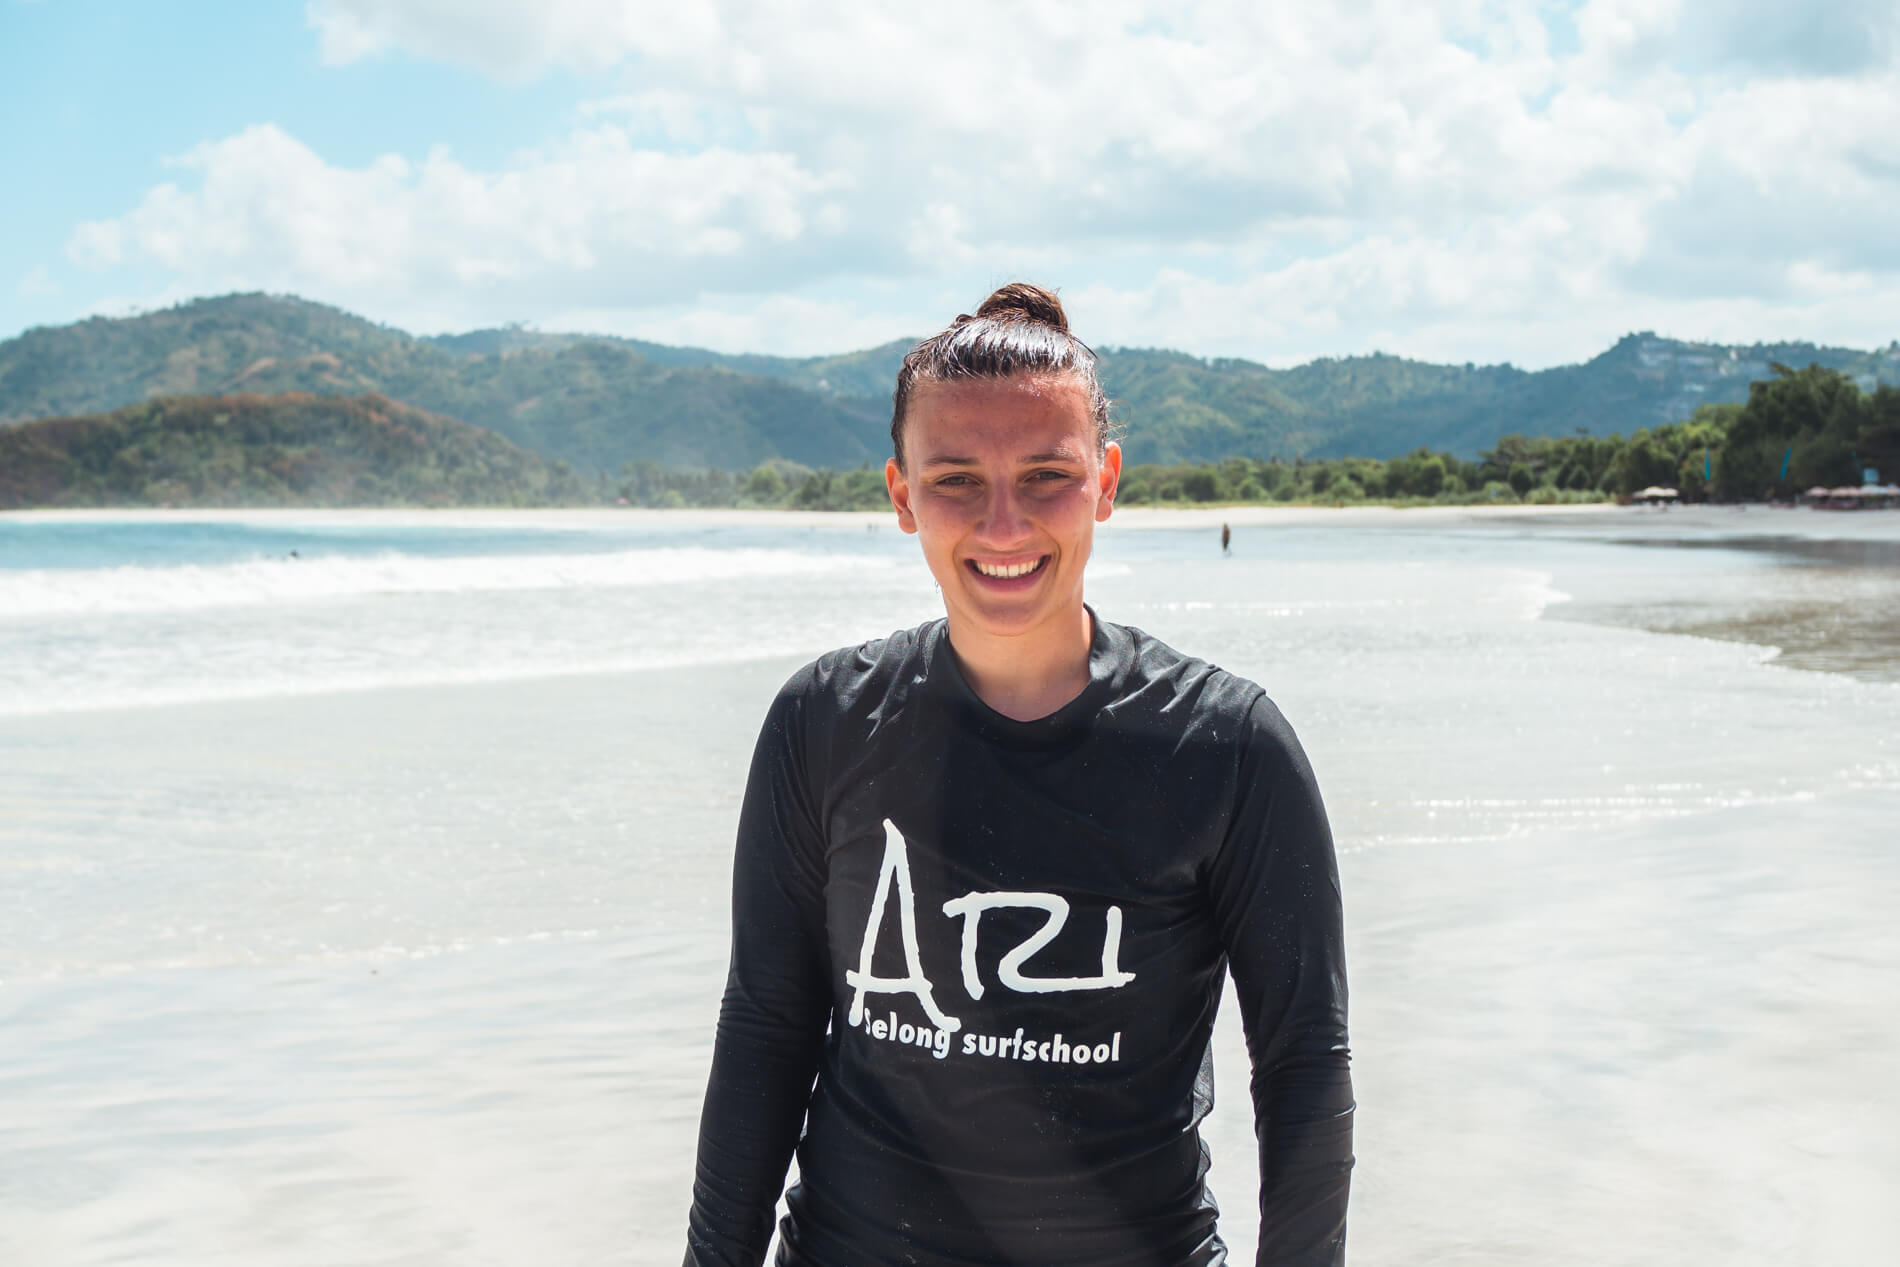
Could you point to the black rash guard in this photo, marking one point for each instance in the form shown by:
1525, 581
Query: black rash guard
978, 961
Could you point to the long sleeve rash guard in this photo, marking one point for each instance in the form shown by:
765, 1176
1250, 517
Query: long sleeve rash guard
977, 961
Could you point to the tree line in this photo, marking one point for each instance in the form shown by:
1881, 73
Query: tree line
1798, 429
294, 449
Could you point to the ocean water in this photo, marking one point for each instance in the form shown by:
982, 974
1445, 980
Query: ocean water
364, 873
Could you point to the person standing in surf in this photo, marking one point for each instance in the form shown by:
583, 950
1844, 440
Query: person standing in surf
989, 877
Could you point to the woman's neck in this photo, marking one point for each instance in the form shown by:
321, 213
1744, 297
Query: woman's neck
1029, 675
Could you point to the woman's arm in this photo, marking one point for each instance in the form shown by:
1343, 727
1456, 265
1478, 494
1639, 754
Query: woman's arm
773, 1015
1274, 886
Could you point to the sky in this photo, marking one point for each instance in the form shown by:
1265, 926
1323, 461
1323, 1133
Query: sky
1490, 181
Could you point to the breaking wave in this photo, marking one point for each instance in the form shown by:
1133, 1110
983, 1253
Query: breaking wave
330, 578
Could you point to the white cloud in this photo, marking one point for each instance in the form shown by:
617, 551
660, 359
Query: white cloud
1440, 304
1254, 178
37, 284
591, 217
787, 325
508, 39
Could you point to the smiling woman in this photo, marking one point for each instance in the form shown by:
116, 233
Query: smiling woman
1019, 779
1009, 487
1006, 426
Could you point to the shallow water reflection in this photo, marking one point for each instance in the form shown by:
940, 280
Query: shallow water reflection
426, 974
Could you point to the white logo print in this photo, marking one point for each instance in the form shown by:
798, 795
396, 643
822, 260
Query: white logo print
971, 907
895, 871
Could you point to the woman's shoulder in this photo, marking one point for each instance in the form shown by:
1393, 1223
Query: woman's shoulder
849, 676
1180, 681
1205, 717
1198, 697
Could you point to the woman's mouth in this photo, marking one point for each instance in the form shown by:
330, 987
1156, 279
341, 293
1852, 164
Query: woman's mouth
1016, 571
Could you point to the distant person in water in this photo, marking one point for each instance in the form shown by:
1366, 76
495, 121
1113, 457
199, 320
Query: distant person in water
991, 874
1226, 539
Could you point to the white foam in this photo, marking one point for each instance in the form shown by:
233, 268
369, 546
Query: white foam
64, 697
325, 578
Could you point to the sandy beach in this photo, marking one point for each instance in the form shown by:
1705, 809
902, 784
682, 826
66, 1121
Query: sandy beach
426, 974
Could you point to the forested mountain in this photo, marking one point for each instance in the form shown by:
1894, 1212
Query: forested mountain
295, 449
598, 403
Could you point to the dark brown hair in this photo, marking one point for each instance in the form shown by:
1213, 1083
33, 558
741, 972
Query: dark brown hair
1020, 329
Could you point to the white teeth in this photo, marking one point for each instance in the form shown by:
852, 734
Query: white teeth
1008, 571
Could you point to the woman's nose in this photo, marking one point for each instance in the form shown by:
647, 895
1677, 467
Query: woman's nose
1003, 522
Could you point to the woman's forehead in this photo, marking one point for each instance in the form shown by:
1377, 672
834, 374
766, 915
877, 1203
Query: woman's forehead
1036, 414
1025, 386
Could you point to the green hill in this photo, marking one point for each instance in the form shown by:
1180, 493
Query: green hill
1181, 408
595, 404
598, 403
1184, 408
868, 375
295, 449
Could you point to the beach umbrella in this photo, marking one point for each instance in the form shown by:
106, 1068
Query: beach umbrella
1816, 491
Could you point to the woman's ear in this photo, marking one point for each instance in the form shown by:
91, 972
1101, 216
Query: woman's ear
899, 488
1111, 477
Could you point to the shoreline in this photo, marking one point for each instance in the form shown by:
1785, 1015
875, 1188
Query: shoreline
592, 517
1706, 526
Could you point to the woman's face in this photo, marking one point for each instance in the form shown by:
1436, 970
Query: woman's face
1003, 487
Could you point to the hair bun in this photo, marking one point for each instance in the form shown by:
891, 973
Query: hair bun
1021, 301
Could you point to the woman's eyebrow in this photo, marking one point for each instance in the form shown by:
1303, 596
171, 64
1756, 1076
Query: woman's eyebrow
1028, 459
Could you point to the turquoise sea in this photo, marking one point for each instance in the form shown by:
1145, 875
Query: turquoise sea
364, 872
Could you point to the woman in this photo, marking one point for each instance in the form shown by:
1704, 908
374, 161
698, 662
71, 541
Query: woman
990, 872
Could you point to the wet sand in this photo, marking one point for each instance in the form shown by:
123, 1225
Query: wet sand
1834, 606
1664, 1045
1660, 1044
426, 977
